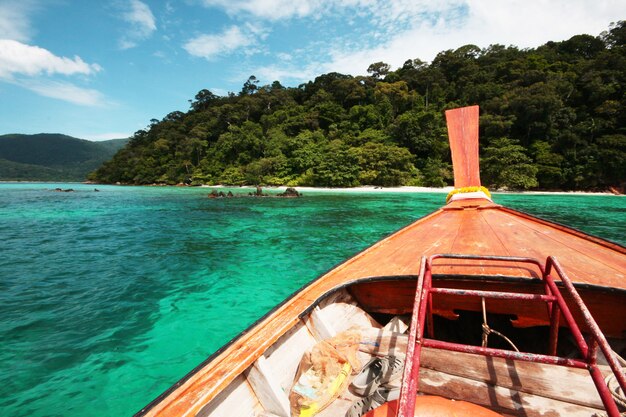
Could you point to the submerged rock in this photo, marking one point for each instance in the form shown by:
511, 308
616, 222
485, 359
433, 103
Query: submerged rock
290, 192
258, 193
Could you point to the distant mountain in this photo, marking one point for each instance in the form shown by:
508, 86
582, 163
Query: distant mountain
52, 157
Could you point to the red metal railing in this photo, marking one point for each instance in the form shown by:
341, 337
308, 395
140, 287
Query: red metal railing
556, 306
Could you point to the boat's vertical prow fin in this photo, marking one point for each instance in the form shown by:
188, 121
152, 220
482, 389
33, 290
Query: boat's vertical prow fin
463, 134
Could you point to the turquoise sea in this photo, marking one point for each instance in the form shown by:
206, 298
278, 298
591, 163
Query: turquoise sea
107, 298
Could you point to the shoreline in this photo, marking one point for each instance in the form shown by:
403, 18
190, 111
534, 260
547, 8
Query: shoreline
360, 189
402, 189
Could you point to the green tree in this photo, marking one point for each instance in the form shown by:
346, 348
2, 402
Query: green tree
397, 94
612, 157
203, 99
385, 165
250, 86
240, 144
436, 173
365, 117
505, 165
420, 132
548, 163
378, 70
338, 166
232, 176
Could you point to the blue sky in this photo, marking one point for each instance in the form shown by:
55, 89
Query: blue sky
101, 69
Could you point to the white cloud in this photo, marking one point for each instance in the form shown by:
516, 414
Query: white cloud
436, 26
139, 15
211, 46
65, 91
288, 73
14, 20
268, 9
382, 11
17, 58
32, 68
274, 72
532, 23
398, 30
219, 91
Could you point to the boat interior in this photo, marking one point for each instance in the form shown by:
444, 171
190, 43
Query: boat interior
517, 356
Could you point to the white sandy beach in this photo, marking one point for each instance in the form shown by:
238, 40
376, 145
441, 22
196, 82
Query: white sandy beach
405, 189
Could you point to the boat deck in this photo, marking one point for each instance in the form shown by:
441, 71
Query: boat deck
477, 227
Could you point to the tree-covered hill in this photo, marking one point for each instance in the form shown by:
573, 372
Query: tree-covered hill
553, 117
52, 157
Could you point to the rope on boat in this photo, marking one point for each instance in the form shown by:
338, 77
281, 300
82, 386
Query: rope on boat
472, 189
614, 388
611, 382
488, 330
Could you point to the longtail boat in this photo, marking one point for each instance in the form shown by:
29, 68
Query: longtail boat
497, 310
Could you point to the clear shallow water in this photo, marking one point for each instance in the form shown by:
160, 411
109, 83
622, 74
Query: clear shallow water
107, 298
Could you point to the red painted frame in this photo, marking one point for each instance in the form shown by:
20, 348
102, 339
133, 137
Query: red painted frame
556, 305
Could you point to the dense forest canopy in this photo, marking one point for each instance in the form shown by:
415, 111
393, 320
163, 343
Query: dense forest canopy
551, 118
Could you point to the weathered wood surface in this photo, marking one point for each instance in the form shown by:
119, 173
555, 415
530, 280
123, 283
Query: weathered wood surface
500, 399
550, 381
551, 384
237, 399
267, 389
319, 327
284, 356
468, 226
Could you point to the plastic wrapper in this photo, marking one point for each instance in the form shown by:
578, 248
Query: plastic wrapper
323, 373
